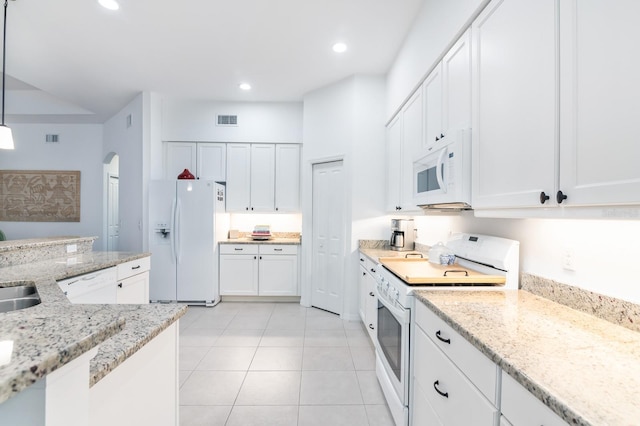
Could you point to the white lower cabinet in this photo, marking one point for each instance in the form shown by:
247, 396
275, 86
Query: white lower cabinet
133, 281
520, 407
258, 270
451, 380
368, 299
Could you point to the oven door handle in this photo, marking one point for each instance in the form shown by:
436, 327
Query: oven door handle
403, 315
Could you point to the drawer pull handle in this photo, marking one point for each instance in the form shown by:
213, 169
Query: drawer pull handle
371, 327
364, 273
275, 249
441, 339
406, 256
466, 273
361, 260
373, 270
238, 249
435, 386
135, 267
371, 294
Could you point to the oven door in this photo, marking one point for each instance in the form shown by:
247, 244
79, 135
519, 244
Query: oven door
392, 337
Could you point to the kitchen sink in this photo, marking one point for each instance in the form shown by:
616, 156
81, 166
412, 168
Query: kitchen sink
18, 297
17, 291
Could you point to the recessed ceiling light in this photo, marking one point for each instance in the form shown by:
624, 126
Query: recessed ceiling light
340, 47
245, 86
109, 4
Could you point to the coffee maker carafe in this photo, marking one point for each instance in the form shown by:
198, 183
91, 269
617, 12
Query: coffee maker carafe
402, 235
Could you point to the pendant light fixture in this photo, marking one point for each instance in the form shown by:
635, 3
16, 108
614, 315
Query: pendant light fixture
6, 138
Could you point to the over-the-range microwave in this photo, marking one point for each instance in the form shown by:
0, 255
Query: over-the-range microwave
442, 173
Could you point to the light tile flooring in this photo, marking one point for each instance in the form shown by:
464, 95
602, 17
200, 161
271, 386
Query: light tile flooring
276, 364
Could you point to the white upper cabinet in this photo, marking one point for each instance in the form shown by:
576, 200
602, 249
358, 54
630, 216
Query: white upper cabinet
432, 90
212, 161
263, 177
600, 102
515, 107
179, 156
263, 160
238, 177
393, 155
287, 178
412, 144
456, 86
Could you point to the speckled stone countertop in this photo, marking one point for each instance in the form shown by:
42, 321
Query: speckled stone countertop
587, 370
49, 335
273, 240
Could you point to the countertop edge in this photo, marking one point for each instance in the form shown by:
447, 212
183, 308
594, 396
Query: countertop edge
283, 241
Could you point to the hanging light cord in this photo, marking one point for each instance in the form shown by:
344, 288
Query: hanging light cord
4, 55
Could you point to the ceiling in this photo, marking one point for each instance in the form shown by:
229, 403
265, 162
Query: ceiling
72, 60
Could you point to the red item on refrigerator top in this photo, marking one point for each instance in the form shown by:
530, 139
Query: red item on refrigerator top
186, 174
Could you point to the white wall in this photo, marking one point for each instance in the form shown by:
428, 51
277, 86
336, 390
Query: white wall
346, 121
605, 252
196, 121
127, 142
435, 29
80, 148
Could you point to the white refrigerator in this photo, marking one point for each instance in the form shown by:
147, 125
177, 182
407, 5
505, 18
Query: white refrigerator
186, 220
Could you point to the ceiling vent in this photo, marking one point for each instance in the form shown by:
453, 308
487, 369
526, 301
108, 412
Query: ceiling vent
227, 120
51, 138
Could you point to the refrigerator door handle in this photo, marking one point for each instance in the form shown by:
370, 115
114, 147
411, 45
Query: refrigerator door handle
178, 231
172, 238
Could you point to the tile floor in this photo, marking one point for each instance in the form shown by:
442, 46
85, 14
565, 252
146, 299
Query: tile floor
276, 364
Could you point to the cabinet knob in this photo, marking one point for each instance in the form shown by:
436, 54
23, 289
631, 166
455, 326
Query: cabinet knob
246, 208
364, 273
260, 257
276, 209
441, 135
543, 197
251, 208
120, 285
437, 139
371, 294
373, 270
560, 197
255, 257
371, 326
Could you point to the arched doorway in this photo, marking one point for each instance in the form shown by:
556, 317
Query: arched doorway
111, 222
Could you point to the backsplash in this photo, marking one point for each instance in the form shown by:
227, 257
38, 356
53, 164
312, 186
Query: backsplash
242, 234
19, 252
384, 244
614, 310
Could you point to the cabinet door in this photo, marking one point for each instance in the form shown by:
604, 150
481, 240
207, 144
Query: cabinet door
362, 291
238, 274
515, 108
394, 155
432, 90
412, 143
456, 86
371, 307
600, 102
287, 178
179, 156
522, 408
238, 177
278, 275
134, 289
262, 177
212, 161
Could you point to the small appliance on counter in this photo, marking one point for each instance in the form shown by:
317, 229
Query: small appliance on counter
403, 235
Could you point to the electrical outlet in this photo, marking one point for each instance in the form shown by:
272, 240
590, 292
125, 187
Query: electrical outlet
72, 248
568, 259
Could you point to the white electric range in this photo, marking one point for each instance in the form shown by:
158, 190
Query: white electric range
482, 262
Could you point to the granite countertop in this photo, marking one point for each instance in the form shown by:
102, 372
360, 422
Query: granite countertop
587, 370
273, 240
53, 333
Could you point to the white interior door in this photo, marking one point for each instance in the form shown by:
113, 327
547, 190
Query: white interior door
328, 236
113, 214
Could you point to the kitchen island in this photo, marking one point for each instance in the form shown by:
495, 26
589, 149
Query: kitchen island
48, 338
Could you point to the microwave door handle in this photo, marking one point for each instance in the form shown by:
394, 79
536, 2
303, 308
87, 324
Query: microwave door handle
439, 168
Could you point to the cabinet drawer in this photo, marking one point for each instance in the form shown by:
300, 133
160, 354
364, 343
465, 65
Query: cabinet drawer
278, 249
520, 407
473, 363
454, 399
367, 263
238, 249
133, 267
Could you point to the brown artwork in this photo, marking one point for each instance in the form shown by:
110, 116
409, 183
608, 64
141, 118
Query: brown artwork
39, 196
